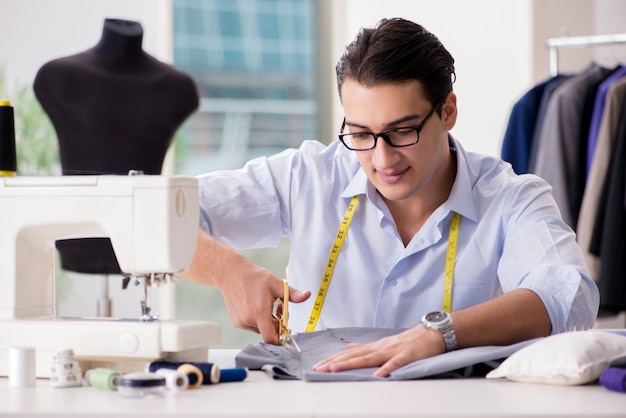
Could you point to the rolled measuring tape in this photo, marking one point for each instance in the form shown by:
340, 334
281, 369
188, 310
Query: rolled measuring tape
65, 371
175, 380
103, 379
614, 378
210, 371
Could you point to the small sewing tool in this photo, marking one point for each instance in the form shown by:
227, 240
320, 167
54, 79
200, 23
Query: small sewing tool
281, 313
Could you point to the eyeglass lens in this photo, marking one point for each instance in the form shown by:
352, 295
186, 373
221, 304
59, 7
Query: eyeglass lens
396, 137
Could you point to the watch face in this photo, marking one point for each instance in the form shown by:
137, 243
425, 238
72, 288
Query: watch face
436, 316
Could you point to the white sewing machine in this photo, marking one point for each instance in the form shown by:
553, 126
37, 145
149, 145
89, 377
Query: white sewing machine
152, 222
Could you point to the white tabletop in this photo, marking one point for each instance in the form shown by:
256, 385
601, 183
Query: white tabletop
260, 396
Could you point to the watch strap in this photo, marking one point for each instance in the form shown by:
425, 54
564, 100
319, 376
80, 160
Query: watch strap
445, 327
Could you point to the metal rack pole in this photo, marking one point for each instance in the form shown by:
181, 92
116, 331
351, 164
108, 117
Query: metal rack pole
554, 44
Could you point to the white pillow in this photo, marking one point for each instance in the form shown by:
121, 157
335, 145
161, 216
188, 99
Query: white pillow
570, 358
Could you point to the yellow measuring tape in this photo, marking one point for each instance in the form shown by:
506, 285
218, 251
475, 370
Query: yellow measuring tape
336, 248
330, 266
448, 276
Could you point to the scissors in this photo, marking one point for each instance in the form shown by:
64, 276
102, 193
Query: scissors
282, 316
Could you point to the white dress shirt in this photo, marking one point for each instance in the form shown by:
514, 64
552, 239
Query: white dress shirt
511, 236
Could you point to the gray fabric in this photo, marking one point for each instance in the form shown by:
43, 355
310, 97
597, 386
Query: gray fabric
281, 363
543, 106
561, 135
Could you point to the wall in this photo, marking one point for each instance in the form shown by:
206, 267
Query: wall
609, 17
35, 31
549, 21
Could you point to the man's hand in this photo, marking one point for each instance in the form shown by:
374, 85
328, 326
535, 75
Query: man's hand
249, 294
389, 353
507, 319
249, 291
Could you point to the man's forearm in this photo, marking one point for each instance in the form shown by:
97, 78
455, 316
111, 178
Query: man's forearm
516, 316
211, 260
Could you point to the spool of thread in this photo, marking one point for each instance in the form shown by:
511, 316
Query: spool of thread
235, 374
175, 380
210, 371
8, 158
139, 385
22, 367
194, 375
614, 378
103, 379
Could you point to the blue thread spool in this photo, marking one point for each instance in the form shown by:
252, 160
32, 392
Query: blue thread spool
614, 378
210, 371
235, 374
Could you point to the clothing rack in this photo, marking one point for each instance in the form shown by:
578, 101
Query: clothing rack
554, 44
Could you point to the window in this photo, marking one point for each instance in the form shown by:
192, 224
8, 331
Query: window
253, 63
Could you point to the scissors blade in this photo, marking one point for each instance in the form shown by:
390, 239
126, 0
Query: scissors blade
284, 334
291, 344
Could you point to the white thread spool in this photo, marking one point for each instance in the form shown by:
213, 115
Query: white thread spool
174, 380
22, 367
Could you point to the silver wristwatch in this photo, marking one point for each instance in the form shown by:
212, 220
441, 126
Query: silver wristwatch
442, 322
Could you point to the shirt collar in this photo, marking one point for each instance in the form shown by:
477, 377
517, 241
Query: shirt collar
358, 185
461, 199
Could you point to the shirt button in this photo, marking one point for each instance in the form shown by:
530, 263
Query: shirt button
393, 282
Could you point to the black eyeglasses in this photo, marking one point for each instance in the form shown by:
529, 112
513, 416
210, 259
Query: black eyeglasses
403, 136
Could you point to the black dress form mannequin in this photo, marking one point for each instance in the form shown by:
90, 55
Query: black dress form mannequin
115, 108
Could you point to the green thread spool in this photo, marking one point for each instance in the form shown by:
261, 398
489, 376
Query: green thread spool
103, 379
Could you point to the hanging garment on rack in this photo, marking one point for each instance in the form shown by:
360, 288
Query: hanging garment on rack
562, 142
607, 132
609, 236
520, 129
543, 106
598, 110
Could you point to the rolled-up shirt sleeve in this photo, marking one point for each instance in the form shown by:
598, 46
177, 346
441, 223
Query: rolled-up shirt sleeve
540, 253
572, 301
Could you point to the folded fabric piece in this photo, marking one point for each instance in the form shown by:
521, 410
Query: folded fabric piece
281, 363
614, 378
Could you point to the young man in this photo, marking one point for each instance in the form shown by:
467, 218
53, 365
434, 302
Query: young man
434, 229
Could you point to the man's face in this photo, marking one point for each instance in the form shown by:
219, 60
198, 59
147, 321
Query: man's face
400, 173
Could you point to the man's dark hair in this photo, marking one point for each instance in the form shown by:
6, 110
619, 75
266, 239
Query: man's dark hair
397, 51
